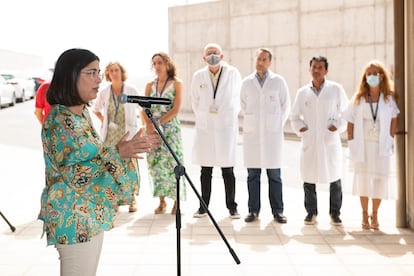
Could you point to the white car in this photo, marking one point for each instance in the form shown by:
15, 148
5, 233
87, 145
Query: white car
24, 87
7, 93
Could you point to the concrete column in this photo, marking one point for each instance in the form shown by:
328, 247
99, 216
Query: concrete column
409, 85
400, 140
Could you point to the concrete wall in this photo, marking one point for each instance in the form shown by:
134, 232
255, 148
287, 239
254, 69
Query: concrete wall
348, 32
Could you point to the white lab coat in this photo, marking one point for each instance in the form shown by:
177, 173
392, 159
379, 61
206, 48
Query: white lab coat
131, 110
216, 133
321, 149
265, 111
386, 112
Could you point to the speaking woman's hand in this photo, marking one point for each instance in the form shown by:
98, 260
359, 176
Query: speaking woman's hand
138, 144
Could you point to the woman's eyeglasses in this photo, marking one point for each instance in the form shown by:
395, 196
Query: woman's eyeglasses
93, 74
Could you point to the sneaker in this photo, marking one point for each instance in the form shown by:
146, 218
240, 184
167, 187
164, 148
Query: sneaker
310, 219
200, 214
234, 214
336, 221
251, 217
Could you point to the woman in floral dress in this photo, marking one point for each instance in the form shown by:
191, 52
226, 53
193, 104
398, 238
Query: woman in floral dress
161, 163
116, 119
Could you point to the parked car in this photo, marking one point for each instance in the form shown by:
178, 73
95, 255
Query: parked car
7, 93
38, 81
24, 87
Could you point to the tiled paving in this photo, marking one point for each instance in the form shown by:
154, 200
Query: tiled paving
146, 244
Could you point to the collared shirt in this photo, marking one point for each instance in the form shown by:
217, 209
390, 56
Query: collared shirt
214, 77
315, 90
262, 80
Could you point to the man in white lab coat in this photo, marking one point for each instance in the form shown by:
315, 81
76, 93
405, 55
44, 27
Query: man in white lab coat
215, 96
316, 118
265, 104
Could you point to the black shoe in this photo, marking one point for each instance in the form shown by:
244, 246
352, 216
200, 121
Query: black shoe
280, 218
336, 221
251, 217
310, 219
234, 214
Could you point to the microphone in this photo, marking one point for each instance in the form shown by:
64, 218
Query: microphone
143, 101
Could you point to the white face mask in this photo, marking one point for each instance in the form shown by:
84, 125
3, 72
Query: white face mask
213, 59
373, 80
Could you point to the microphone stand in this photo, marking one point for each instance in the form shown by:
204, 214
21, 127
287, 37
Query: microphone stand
12, 228
179, 171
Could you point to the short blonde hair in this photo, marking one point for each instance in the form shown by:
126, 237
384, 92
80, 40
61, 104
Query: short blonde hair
124, 74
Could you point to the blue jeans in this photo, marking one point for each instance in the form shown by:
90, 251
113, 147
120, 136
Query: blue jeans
335, 198
275, 190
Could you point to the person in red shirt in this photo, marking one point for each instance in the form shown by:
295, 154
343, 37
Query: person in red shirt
42, 107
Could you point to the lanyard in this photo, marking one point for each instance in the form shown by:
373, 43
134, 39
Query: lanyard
116, 102
374, 114
163, 87
218, 80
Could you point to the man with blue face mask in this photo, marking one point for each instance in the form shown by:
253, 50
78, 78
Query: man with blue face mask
215, 92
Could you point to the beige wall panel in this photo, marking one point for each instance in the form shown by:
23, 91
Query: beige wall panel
321, 29
207, 11
357, 29
320, 5
380, 24
285, 60
178, 37
341, 67
244, 60
249, 31
282, 5
283, 28
248, 7
359, 3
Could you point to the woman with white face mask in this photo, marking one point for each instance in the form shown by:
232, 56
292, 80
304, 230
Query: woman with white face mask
372, 123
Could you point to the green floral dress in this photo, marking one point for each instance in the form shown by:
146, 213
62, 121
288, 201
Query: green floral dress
116, 115
84, 179
160, 161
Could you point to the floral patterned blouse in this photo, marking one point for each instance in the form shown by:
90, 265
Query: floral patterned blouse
84, 179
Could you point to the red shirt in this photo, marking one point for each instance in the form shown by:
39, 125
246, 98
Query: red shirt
41, 101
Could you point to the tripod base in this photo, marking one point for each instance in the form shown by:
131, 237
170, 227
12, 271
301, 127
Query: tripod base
12, 228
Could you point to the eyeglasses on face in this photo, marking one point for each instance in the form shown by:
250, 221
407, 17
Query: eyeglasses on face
93, 74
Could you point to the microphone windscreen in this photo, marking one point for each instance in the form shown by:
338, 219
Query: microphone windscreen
122, 98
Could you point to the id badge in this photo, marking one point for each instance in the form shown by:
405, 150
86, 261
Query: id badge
213, 109
373, 132
112, 125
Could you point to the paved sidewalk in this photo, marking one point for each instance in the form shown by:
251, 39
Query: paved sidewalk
145, 244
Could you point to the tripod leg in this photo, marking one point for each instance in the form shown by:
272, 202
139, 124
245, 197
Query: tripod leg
12, 228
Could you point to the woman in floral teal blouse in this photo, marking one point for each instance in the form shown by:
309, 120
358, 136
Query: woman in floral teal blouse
84, 179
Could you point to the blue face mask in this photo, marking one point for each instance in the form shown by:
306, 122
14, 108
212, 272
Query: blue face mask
373, 80
213, 60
